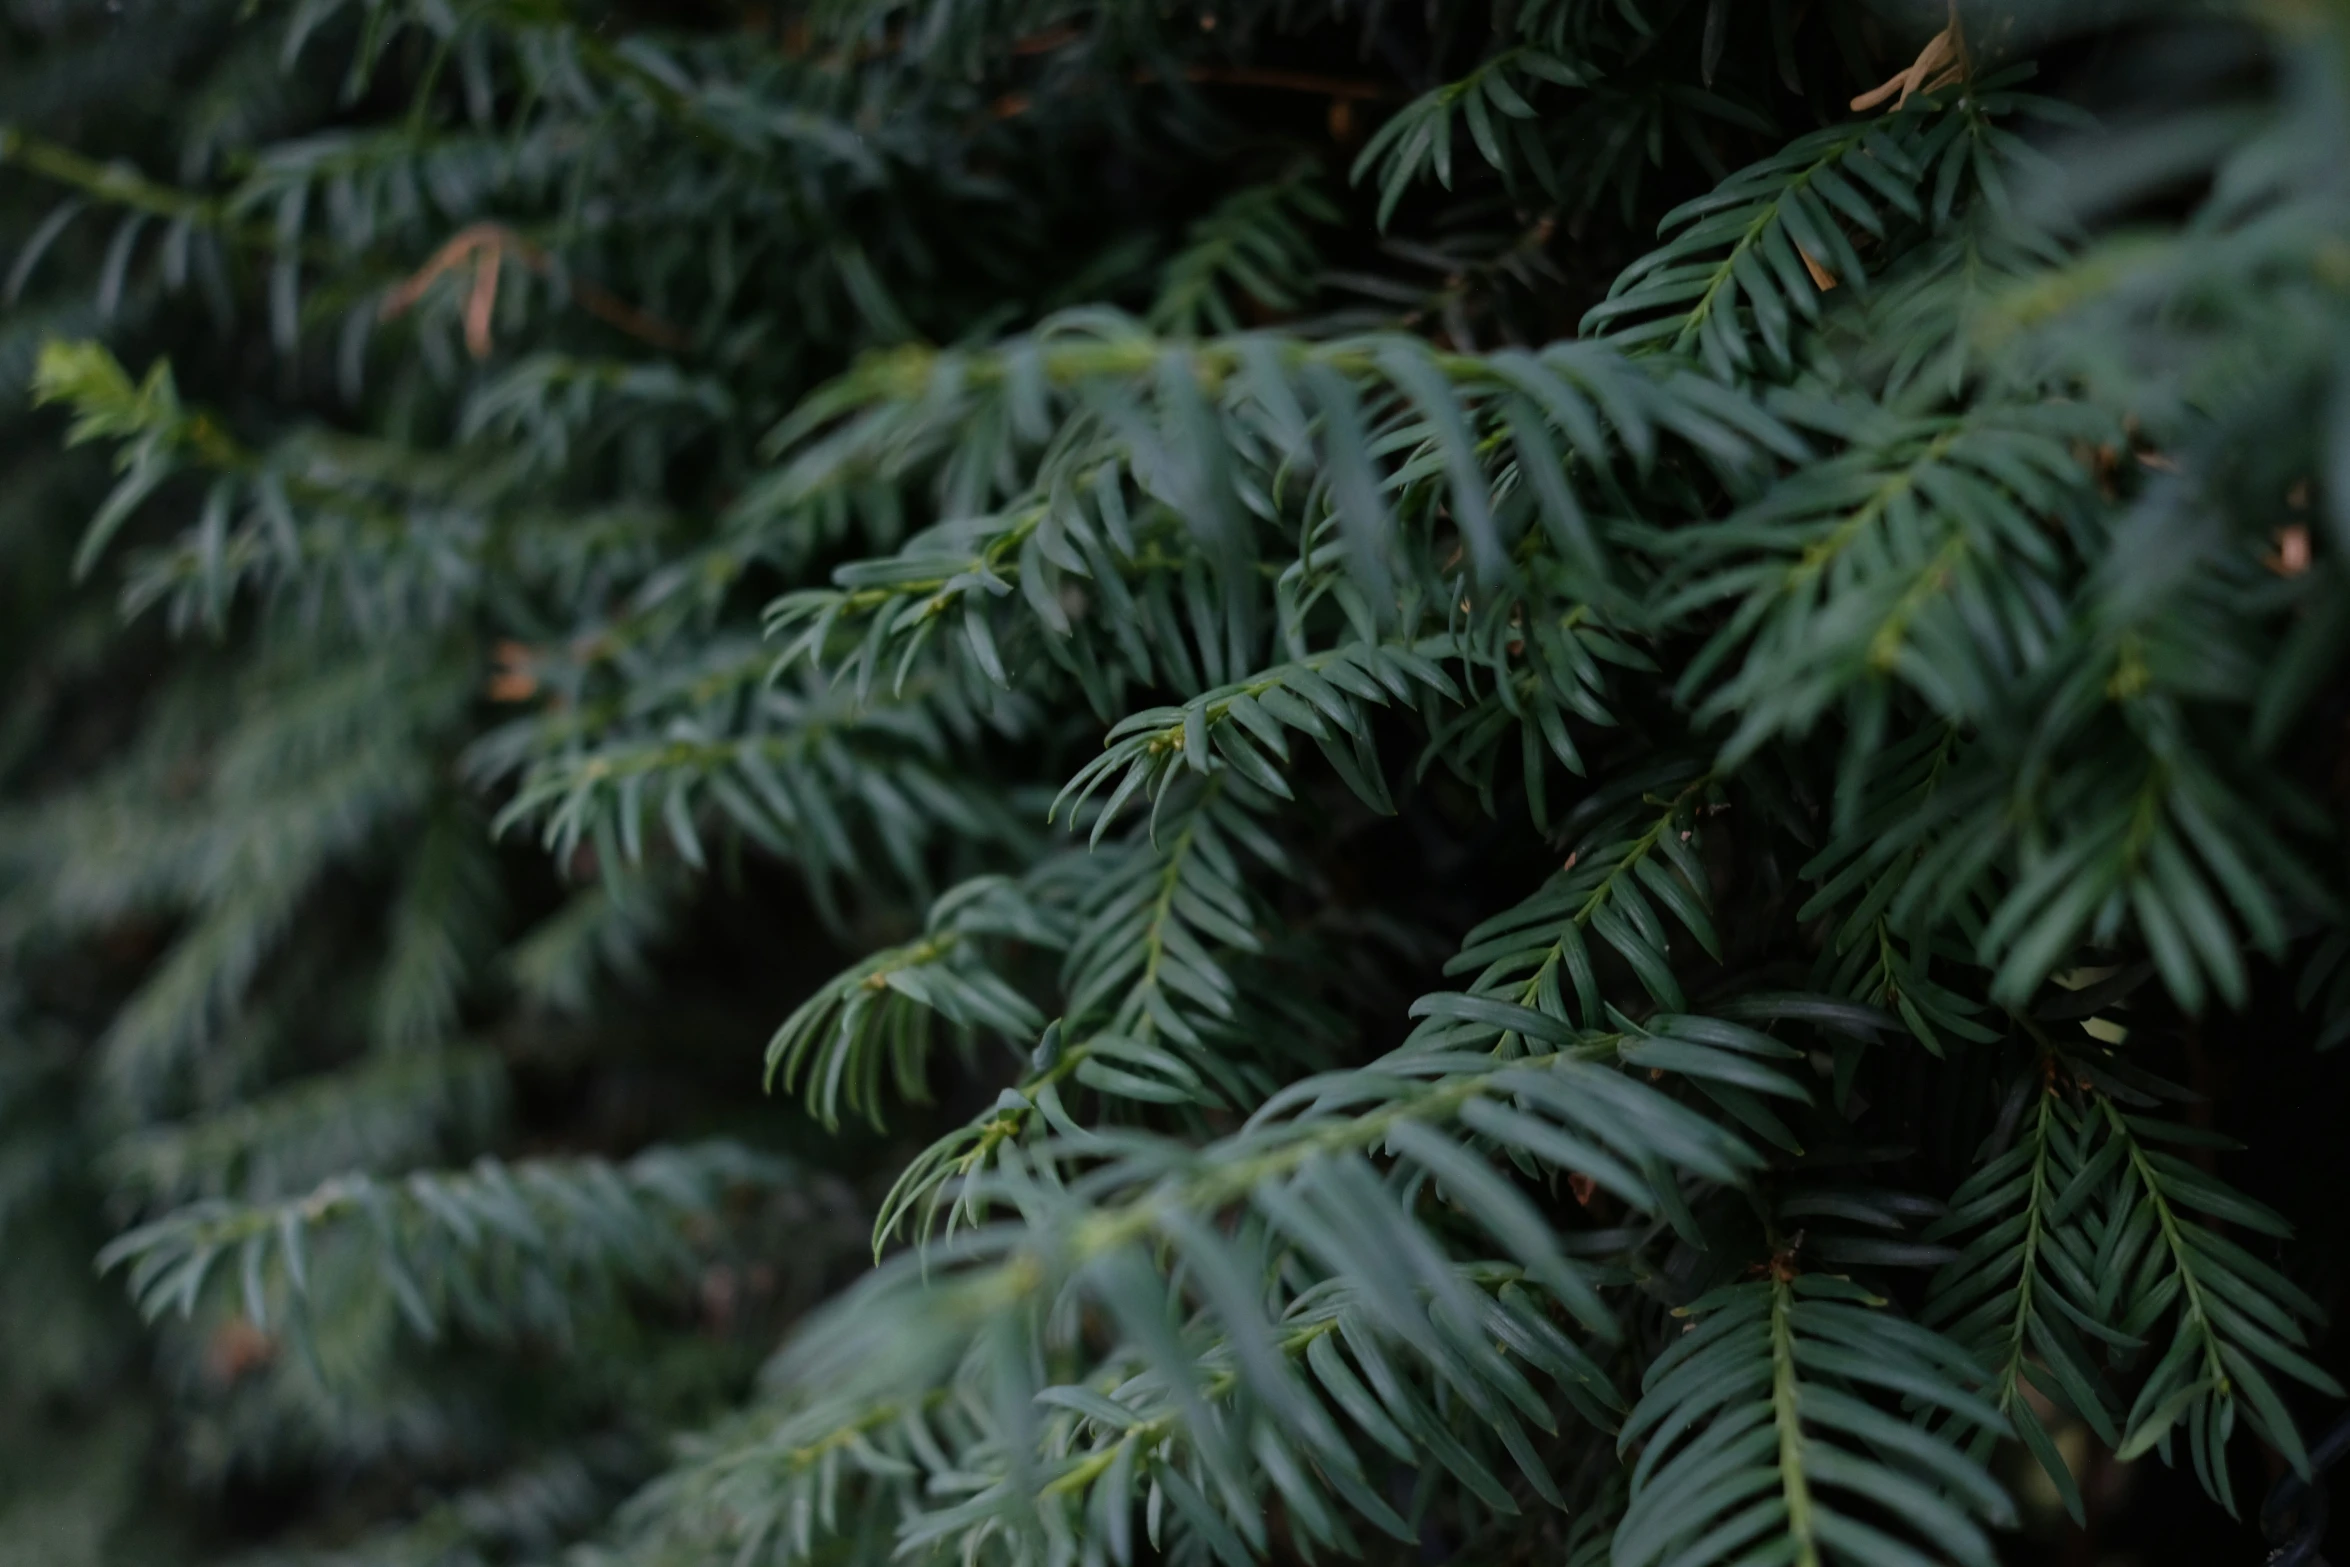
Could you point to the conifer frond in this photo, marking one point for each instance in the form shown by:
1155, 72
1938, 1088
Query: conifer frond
552, 410
1188, 419
496, 1248
808, 774
1255, 253
1326, 697
382, 1113
2238, 1322
1758, 1425
2022, 1290
1154, 1416
1783, 223
1538, 954
600, 935
876, 1016
392, 540
2087, 1232
1418, 139
1865, 867
446, 912
1164, 990
1931, 539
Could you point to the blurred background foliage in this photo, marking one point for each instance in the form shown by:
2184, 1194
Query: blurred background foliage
407, 843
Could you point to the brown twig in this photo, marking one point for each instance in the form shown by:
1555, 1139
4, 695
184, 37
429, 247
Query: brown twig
2291, 557
1821, 277
1047, 41
609, 307
1941, 62
486, 246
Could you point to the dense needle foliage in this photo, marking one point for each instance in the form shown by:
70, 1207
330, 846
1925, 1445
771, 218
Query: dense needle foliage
1505, 783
